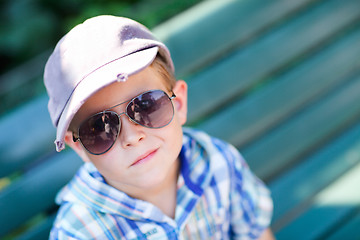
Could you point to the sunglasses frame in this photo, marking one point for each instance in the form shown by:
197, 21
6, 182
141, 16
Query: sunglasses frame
75, 139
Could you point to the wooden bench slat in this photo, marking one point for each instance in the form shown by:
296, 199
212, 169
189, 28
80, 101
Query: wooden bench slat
265, 107
293, 190
40, 231
211, 28
26, 134
31, 194
329, 208
272, 103
243, 69
348, 230
297, 137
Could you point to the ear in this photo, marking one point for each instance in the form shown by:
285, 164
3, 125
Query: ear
180, 101
76, 146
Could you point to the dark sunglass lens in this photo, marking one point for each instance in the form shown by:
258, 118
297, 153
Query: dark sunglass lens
152, 109
99, 132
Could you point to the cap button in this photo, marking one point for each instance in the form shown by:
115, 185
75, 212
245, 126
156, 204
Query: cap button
122, 77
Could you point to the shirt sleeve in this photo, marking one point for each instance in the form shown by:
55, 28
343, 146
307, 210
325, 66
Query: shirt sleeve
61, 234
75, 222
250, 203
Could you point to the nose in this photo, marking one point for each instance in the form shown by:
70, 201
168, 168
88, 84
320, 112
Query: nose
131, 133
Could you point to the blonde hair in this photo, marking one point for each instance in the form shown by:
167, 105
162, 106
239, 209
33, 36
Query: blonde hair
162, 68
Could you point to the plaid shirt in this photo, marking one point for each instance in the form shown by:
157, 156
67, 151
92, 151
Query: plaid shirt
217, 198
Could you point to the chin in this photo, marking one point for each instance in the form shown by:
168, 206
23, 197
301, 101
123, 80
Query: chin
152, 181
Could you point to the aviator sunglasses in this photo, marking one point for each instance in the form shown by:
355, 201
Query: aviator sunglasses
151, 109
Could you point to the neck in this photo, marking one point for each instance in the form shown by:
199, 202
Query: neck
163, 196
164, 199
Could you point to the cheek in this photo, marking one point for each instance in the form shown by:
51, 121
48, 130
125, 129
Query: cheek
173, 138
107, 164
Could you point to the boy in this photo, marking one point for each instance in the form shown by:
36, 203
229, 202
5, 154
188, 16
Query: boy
115, 101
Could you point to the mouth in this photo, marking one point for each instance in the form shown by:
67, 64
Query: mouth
145, 157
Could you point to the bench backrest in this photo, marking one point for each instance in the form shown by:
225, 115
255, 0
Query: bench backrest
278, 79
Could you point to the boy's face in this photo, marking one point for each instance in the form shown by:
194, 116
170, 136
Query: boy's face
142, 159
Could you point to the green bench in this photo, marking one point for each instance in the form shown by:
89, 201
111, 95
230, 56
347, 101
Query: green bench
278, 79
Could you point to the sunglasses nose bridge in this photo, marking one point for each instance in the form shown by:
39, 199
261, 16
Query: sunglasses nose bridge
120, 114
128, 117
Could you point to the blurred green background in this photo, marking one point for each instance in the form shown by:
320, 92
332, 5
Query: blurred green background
29, 30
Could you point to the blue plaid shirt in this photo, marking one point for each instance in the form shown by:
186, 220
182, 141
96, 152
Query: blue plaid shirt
218, 198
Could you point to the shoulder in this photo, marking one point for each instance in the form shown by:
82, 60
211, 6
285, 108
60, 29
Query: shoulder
229, 170
225, 164
235, 185
210, 143
71, 221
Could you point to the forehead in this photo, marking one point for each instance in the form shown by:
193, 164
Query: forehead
118, 92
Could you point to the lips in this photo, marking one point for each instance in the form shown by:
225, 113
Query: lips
145, 157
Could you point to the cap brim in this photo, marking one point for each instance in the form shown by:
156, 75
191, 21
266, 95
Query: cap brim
97, 80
